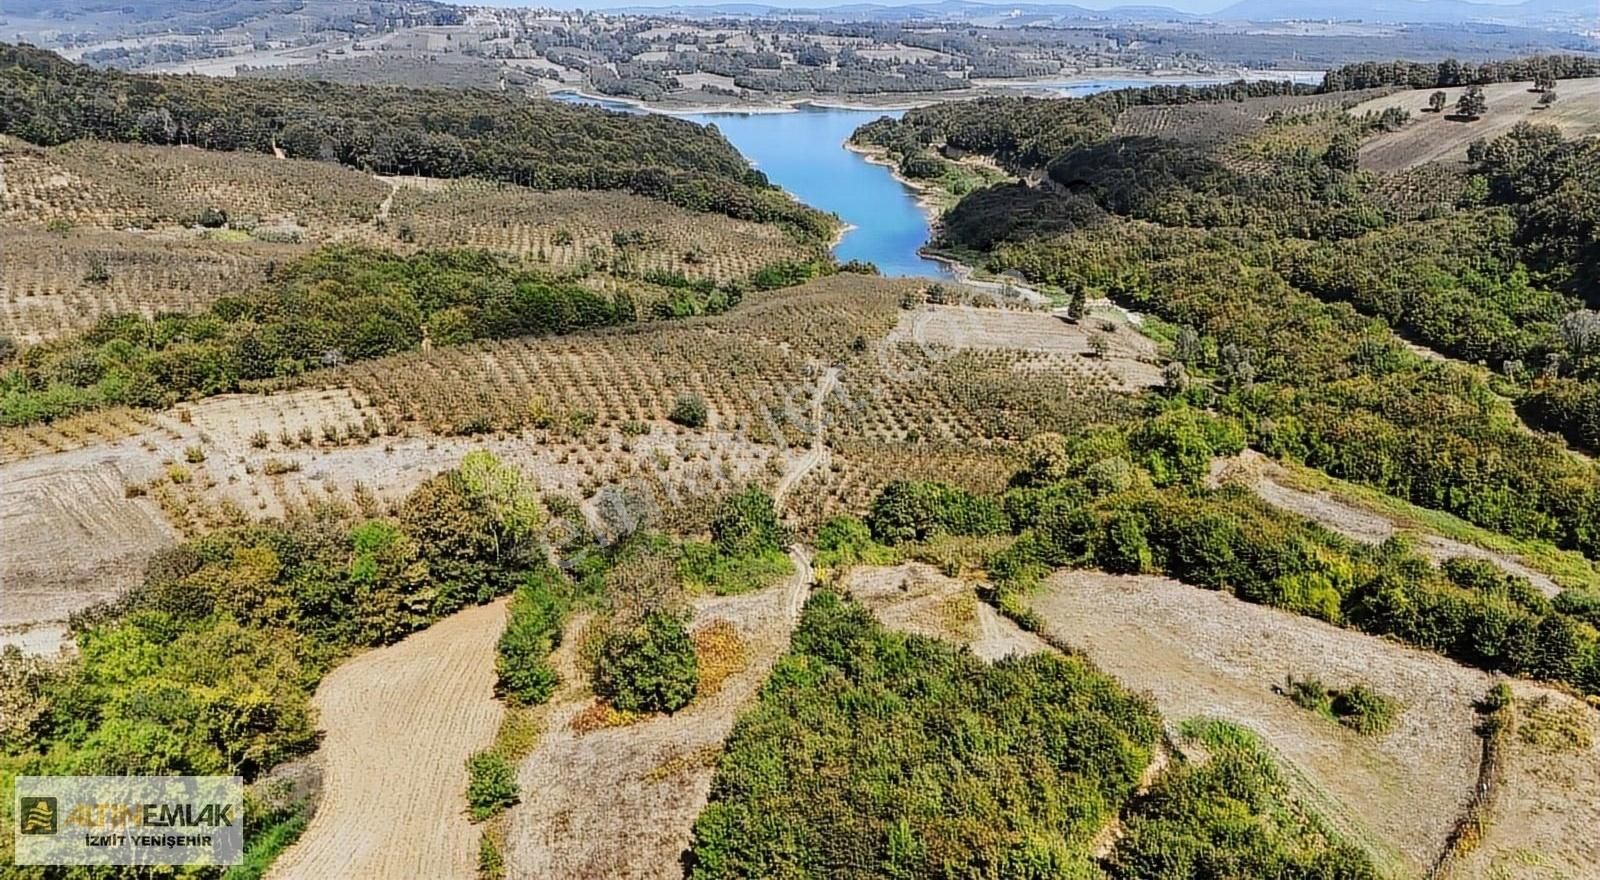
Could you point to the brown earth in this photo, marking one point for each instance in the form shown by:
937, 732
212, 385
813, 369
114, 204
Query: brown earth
400, 723
916, 598
1431, 137
1204, 653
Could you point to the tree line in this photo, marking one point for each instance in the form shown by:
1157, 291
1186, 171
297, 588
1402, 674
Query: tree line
538, 143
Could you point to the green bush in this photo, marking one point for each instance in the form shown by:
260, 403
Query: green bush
747, 523
533, 629
903, 756
915, 511
1232, 816
650, 666
689, 410
491, 785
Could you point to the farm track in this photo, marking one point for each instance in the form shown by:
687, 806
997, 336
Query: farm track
817, 455
400, 723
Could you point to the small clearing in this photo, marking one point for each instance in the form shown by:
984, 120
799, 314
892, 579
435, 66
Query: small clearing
917, 599
400, 723
1130, 359
1432, 137
620, 802
1204, 653
1268, 480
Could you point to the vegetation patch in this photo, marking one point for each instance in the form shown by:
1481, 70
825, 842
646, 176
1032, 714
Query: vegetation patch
843, 763
1232, 815
1556, 725
720, 653
1358, 707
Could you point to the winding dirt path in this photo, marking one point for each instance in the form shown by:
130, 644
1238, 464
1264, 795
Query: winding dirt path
400, 723
817, 455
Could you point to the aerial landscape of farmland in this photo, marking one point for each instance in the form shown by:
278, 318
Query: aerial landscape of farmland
903, 441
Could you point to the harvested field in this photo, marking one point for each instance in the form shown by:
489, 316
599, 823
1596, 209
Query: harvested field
70, 537
916, 598
1204, 653
1433, 137
1269, 481
619, 802
1548, 808
400, 723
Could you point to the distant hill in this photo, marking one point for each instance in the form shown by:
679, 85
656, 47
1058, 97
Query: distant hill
1398, 11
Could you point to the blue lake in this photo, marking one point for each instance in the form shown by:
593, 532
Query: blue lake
804, 153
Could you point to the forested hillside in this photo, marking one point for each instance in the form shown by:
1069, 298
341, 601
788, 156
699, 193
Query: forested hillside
1257, 240
537, 143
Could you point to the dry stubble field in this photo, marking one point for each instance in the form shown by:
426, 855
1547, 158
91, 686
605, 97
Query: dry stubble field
400, 723
1435, 137
1205, 653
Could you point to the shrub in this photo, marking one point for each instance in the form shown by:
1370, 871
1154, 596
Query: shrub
533, 629
748, 523
916, 511
689, 410
491, 785
648, 667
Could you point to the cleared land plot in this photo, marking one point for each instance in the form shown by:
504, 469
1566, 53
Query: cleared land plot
620, 802
917, 599
1545, 818
400, 723
1274, 485
70, 537
1129, 360
1204, 653
1431, 137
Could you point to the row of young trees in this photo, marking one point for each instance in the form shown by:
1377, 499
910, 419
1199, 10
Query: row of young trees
1542, 69
336, 305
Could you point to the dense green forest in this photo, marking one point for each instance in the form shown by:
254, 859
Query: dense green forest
1450, 72
538, 143
879, 754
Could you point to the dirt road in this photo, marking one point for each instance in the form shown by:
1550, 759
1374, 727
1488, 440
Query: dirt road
817, 455
400, 724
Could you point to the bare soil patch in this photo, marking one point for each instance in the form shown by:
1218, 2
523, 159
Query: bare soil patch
620, 802
1431, 137
70, 537
1129, 360
400, 723
1204, 653
916, 598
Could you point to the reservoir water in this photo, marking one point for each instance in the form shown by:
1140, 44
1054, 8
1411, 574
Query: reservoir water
804, 153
